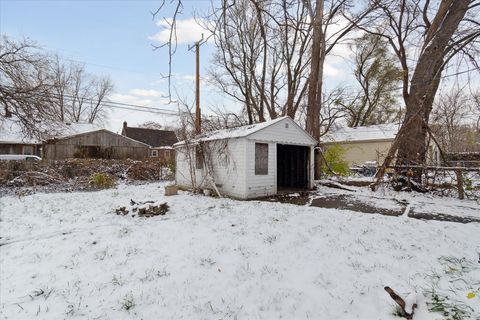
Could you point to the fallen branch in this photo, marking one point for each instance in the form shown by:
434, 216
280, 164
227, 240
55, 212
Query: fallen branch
408, 307
335, 185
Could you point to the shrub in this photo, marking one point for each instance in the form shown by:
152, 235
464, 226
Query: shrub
334, 157
101, 181
172, 167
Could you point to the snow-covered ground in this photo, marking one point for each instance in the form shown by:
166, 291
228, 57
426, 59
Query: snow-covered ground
386, 198
69, 255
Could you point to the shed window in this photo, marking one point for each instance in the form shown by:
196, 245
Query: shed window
198, 157
261, 158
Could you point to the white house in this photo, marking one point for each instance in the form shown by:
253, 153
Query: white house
250, 161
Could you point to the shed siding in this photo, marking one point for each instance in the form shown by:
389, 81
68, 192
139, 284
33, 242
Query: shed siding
228, 167
261, 185
280, 133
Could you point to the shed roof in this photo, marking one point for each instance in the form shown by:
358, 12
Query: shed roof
153, 137
379, 132
242, 132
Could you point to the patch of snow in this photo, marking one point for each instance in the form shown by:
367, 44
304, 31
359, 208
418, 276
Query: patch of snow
69, 255
410, 300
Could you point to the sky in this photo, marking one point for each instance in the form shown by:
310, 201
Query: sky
115, 38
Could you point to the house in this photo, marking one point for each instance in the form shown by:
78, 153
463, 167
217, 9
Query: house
362, 144
90, 141
14, 141
250, 161
370, 144
160, 141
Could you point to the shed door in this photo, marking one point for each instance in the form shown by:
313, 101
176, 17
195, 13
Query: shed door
292, 166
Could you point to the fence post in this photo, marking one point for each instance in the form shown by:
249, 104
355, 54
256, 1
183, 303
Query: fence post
459, 174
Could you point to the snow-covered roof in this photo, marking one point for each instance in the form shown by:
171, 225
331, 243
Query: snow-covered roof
11, 132
71, 129
232, 133
369, 133
239, 132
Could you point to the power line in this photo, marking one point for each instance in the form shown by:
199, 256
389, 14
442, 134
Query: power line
111, 104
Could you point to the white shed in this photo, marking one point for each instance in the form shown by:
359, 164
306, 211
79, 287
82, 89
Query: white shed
250, 161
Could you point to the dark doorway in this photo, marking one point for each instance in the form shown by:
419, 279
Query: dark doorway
292, 166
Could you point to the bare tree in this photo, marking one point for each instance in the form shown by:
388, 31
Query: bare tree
102, 87
41, 92
78, 96
151, 125
437, 33
25, 86
451, 122
264, 49
324, 15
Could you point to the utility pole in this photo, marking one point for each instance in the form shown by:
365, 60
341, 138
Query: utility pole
198, 114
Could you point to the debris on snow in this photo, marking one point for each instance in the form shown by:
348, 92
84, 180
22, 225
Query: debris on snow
144, 209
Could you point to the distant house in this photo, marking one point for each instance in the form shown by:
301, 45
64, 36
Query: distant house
369, 144
250, 161
160, 141
14, 141
91, 141
362, 144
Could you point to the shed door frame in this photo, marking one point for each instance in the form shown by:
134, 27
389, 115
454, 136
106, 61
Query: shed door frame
305, 158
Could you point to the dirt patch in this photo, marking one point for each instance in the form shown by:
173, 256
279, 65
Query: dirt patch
441, 217
346, 202
298, 198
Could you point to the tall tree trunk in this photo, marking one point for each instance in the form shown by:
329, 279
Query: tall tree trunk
425, 81
316, 73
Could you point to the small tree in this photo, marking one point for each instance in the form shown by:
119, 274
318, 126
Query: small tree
374, 100
334, 162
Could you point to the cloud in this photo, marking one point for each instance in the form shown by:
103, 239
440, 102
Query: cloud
130, 99
147, 93
187, 31
189, 77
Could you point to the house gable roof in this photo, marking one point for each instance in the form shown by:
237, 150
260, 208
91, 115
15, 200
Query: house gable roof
381, 132
153, 137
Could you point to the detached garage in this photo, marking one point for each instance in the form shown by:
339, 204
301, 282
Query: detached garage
250, 161
96, 144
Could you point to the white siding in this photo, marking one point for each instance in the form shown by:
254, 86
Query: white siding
228, 162
284, 132
261, 185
